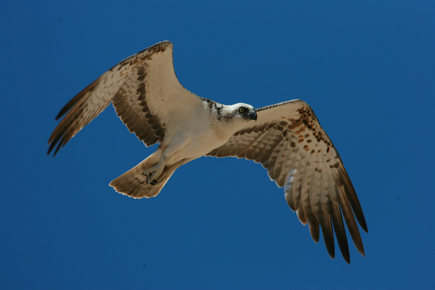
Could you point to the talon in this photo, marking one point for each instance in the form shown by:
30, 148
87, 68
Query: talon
149, 174
152, 174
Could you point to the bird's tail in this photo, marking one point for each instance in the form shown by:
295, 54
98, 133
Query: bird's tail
133, 182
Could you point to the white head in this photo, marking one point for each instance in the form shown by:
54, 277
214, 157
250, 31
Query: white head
239, 112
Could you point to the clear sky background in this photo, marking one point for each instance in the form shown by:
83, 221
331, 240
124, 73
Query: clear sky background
367, 68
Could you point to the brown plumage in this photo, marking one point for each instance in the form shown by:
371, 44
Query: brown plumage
298, 155
286, 138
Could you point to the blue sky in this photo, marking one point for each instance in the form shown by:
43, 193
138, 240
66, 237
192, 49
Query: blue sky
367, 68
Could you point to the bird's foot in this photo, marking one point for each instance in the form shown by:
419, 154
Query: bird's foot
153, 173
158, 180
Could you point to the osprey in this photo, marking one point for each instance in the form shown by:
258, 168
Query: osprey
286, 138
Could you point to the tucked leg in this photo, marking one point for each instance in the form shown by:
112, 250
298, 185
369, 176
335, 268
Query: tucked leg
169, 170
176, 144
154, 172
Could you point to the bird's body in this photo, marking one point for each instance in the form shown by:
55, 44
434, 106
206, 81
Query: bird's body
192, 137
286, 138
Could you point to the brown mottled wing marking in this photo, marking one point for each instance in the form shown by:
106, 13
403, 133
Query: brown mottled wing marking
134, 111
145, 93
289, 142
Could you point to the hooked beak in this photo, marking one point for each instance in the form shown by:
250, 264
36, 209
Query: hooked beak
252, 115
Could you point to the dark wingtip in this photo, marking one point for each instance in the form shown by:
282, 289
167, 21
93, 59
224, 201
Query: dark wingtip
361, 250
68, 106
61, 113
52, 142
364, 225
50, 149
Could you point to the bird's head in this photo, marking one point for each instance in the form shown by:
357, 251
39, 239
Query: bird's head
240, 112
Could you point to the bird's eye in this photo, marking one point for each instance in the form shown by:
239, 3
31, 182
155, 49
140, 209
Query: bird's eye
241, 110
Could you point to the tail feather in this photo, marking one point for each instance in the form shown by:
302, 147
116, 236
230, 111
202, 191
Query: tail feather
133, 182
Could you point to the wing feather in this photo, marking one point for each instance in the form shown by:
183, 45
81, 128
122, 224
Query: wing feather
272, 141
298, 155
255, 147
144, 91
262, 144
266, 159
340, 232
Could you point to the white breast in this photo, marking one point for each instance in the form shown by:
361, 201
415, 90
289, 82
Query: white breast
201, 133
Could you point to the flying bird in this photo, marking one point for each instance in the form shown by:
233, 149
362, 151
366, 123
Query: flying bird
286, 138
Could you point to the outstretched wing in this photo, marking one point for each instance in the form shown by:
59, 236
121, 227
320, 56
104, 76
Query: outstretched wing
289, 142
144, 90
